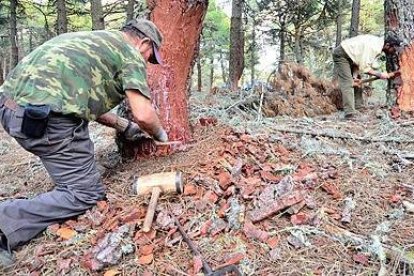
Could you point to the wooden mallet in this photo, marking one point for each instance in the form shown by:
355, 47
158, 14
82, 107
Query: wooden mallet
166, 182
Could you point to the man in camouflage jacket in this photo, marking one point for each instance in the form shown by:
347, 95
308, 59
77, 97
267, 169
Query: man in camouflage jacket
75, 78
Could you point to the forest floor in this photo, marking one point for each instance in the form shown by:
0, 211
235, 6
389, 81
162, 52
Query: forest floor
274, 196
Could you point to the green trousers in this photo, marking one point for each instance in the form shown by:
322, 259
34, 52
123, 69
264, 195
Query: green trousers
343, 73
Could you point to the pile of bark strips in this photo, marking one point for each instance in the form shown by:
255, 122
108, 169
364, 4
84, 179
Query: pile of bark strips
297, 93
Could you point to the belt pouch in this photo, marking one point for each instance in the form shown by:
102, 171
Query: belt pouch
35, 120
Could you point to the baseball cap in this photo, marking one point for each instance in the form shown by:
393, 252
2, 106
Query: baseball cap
151, 31
393, 39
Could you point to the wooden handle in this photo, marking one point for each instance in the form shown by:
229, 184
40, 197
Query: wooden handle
151, 209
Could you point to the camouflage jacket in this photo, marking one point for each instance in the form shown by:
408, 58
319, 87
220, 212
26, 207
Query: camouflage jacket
83, 73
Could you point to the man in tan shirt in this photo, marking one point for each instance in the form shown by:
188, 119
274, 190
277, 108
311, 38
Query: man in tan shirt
359, 52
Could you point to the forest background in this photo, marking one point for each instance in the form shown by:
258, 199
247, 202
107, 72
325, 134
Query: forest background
275, 32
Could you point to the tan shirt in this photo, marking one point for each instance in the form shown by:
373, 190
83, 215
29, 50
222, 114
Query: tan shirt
364, 50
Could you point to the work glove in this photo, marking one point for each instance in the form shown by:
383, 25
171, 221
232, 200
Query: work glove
133, 132
161, 135
129, 129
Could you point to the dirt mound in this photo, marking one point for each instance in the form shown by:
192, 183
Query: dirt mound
297, 93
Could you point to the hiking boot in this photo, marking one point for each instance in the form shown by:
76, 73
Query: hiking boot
6, 258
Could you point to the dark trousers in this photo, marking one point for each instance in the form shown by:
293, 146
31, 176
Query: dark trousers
67, 153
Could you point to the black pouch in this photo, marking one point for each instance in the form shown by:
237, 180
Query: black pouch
35, 118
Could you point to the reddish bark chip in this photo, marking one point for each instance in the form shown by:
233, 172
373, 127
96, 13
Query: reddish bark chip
224, 179
146, 249
360, 258
146, 259
210, 196
190, 189
300, 219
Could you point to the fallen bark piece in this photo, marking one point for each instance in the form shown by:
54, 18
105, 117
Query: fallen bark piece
349, 206
273, 242
296, 208
252, 232
146, 259
217, 226
232, 259
164, 221
190, 190
146, 249
235, 214
298, 239
110, 250
360, 258
300, 219
280, 204
332, 190
66, 233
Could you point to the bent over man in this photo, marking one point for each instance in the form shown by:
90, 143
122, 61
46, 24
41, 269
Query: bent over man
359, 52
46, 103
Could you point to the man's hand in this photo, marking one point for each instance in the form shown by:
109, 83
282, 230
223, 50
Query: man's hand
384, 76
357, 83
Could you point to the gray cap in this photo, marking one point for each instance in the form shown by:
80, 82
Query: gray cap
151, 31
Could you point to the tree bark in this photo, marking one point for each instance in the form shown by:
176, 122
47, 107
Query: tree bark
223, 68
399, 19
62, 21
339, 19
211, 73
253, 52
356, 7
130, 9
170, 83
199, 75
98, 22
298, 46
13, 34
1, 71
236, 63
282, 39
30, 40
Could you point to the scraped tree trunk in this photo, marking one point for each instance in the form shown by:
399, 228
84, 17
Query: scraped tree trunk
170, 83
98, 22
282, 39
13, 34
399, 18
62, 21
236, 63
356, 7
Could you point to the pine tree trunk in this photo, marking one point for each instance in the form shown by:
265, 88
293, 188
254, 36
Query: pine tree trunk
339, 19
282, 40
223, 68
199, 75
170, 83
236, 63
399, 18
98, 22
62, 21
356, 7
253, 52
211, 73
298, 46
13, 34
1, 71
